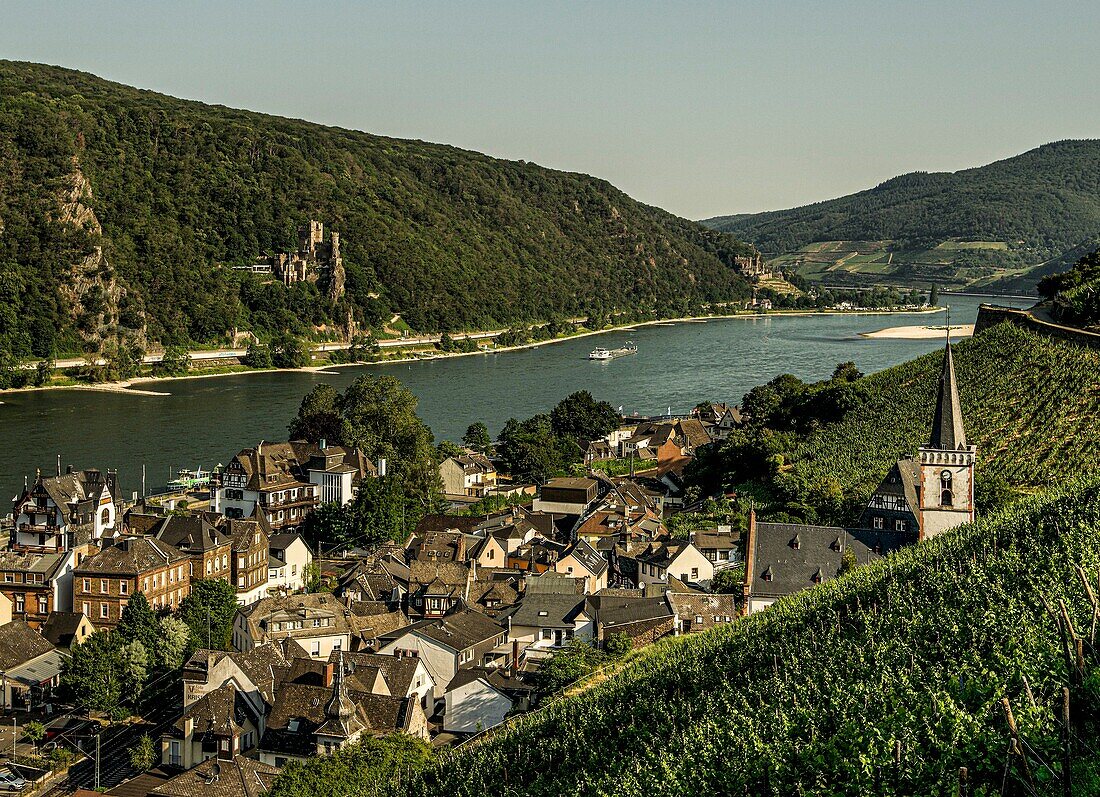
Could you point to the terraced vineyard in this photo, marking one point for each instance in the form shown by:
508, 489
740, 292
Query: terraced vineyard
885, 681
1031, 403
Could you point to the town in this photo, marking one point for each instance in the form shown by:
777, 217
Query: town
149, 644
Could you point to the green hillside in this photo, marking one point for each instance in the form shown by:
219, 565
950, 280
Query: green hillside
1001, 226
814, 695
122, 211
1073, 297
1031, 405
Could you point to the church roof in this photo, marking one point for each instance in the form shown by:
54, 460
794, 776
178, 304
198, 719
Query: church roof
947, 424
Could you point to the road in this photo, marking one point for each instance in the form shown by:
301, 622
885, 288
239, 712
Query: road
221, 354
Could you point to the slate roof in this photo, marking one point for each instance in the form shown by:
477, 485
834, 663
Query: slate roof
546, 611
45, 563
717, 540
221, 712
588, 556
241, 777
398, 671
19, 643
439, 523
190, 533
613, 610
692, 605
60, 628
458, 631
131, 556
263, 665
948, 433
788, 557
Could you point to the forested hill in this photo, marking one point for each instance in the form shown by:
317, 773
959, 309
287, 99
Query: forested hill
1019, 212
122, 212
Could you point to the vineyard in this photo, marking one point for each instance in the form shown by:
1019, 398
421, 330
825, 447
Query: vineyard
889, 680
1031, 403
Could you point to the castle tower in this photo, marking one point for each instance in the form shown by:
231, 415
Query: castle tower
309, 236
946, 462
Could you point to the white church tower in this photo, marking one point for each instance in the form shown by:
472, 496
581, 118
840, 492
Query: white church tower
946, 463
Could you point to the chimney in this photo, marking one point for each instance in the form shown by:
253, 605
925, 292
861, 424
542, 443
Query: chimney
329, 674
515, 653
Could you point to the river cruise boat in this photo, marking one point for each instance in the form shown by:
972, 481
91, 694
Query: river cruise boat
611, 354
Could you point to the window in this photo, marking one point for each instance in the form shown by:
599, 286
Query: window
87, 609
698, 619
547, 633
43, 604
316, 649
9, 578
695, 574
123, 587
899, 525
105, 518
946, 496
240, 562
19, 603
104, 585
104, 610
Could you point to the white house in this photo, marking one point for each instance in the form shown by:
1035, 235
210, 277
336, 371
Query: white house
446, 644
288, 565
681, 559
543, 621
61, 512
404, 676
473, 704
584, 562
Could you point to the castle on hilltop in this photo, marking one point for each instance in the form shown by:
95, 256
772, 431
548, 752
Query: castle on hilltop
314, 261
751, 265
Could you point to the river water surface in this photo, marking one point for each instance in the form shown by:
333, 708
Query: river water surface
206, 421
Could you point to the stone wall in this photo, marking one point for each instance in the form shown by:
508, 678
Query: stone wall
989, 315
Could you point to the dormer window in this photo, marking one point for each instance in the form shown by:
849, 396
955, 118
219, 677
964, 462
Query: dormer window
796, 543
837, 545
817, 577
767, 575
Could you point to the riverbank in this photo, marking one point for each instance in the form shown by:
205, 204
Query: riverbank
920, 332
131, 386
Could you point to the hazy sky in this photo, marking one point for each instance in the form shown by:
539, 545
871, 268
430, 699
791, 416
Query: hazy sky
701, 108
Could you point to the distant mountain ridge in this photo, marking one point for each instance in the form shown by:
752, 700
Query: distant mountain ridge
1007, 223
123, 211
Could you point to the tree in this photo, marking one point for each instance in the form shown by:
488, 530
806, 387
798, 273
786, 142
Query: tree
121, 359
618, 645
43, 372
318, 417
477, 437
172, 642
383, 511
846, 372
34, 732
581, 418
174, 362
448, 449
728, 581
356, 769
565, 668
143, 755
138, 623
209, 611
258, 356
934, 295
103, 672
288, 352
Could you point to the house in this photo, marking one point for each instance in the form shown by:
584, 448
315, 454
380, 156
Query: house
436, 546
721, 418
544, 620
721, 546
403, 676
37, 583
696, 612
680, 558
474, 702
207, 546
238, 777
783, 558
436, 587
286, 481
250, 557
222, 723
308, 720
289, 562
319, 623
566, 496
467, 475
30, 667
62, 512
581, 560
103, 583
643, 618
464, 638
65, 629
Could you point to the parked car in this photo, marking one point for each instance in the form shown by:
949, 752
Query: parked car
9, 781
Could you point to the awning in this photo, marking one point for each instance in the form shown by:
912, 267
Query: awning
39, 671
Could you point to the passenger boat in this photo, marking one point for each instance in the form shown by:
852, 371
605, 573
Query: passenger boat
611, 354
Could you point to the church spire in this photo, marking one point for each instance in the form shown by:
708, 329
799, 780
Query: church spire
948, 433
340, 709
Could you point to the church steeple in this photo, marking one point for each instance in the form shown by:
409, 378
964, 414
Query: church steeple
340, 709
948, 433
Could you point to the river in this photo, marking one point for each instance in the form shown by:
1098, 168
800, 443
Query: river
206, 421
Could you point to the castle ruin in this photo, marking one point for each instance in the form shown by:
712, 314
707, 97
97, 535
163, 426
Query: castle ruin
314, 261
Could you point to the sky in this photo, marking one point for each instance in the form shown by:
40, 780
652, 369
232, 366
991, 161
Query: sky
701, 108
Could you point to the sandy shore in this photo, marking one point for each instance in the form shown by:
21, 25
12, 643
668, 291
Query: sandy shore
920, 332
130, 386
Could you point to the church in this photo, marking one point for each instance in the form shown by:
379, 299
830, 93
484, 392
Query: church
920, 497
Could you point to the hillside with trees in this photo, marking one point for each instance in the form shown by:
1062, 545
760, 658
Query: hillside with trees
1073, 297
123, 212
1003, 225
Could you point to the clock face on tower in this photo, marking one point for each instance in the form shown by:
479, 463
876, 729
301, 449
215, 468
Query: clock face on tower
945, 475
